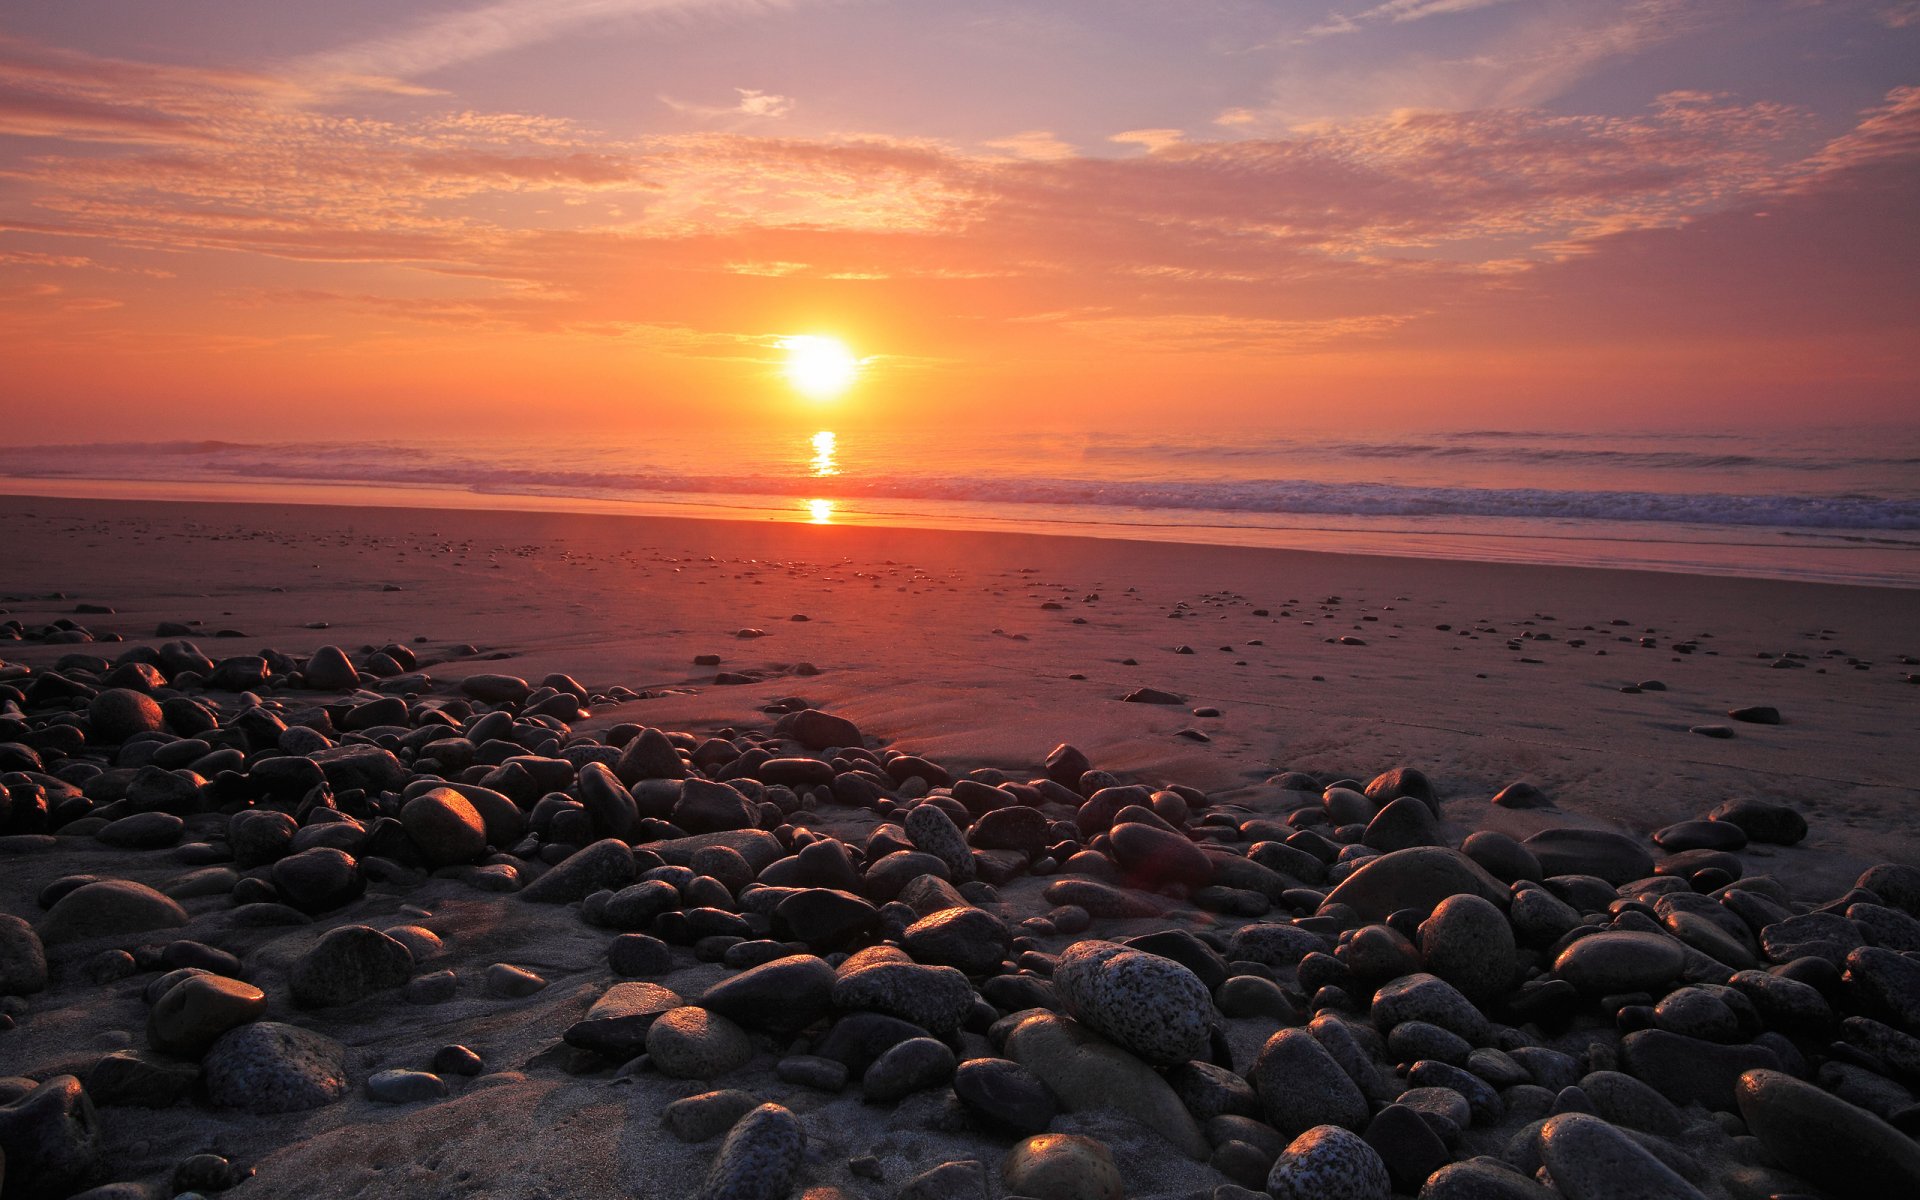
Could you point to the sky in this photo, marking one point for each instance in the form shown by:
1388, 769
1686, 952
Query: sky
486, 218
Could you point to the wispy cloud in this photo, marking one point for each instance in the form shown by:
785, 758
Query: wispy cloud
1397, 11
472, 34
753, 103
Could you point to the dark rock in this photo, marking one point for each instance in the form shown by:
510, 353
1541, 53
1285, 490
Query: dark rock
617, 1023
348, 964
912, 1066
1833, 1144
318, 880
1005, 1094
1301, 1086
120, 713
606, 864
1150, 1005
49, 1140
782, 996
267, 1067
968, 939
1613, 857
109, 908
1418, 878
759, 1159
1690, 1071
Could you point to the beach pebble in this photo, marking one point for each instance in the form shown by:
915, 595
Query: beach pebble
1403, 781
633, 954
1418, 878
1062, 1166
937, 999
1328, 1162
1099, 899
404, 1087
1483, 1179
783, 996
1521, 796
759, 1159
1085, 1071
1408, 1147
649, 755
435, 987
813, 1071
269, 1067
707, 1115
1005, 1094
23, 959
1301, 1086
617, 1023
348, 964
817, 730
142, 831
912, 1066
965, 1179
1614, 857
117, 714
1402, 824
1775, 824
511, 982
826, 919
198, 1009
1897, 884
692, 1043
1150, 1005
933, 832
708, 807
1591, 1160
1884, 984
1153, 857
1426, 997
318, 880
605, 865
1689, 1070
967, 939
455, 1059
1469, 943
108, 908
50, 1139
1833, 1144
445, 826
1621, 961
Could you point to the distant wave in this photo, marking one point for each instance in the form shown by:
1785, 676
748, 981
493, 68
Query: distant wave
1504, 450
413, 466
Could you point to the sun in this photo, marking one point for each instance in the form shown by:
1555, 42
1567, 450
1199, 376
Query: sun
818, 366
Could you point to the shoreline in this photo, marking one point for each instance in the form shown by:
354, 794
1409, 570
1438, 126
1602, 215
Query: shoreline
1487, 546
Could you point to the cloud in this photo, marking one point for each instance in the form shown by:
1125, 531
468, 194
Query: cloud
469, 35
1399, 11
752, 103
1149, 139
1036, 145
1365, 232
1535, 56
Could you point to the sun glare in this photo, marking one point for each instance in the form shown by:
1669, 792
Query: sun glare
820, 367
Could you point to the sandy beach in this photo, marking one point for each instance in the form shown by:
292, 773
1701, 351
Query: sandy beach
968, 650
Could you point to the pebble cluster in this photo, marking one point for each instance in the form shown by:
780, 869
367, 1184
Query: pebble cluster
1584, 1014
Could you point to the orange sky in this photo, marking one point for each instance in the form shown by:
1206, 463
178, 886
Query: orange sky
603, 214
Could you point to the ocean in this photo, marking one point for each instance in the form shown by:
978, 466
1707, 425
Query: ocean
1835, 506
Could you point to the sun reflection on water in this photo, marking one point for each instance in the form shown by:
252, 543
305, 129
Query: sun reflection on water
820, 512
824, 461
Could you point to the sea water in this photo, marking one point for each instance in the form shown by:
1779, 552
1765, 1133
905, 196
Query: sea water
1831, 505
